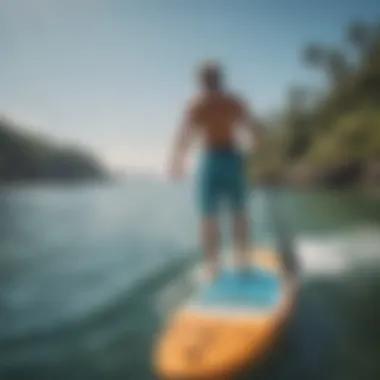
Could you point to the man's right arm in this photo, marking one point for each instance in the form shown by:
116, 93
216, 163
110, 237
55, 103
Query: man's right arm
184, 136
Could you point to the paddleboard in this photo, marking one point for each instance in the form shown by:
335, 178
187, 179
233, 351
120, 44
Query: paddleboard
228, 324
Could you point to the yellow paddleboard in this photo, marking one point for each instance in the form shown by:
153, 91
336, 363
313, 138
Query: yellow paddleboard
229, 324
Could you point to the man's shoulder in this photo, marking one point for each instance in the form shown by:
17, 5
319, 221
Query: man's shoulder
194, 102
200, 100
193, 107
237, 101
236, 98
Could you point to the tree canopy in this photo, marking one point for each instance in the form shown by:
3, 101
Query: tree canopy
342, 125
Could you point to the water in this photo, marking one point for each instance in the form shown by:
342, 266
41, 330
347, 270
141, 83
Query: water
88, 274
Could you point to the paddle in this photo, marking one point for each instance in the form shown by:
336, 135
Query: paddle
284, 238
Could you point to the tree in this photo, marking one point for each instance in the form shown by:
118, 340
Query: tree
359, 35
315, 55
337, 66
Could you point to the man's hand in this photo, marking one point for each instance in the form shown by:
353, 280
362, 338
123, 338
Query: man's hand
177, 170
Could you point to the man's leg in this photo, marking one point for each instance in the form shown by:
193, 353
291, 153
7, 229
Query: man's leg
209, 190
210, 245
240, 229
240, 215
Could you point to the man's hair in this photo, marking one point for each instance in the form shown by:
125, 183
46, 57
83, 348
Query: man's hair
210, 75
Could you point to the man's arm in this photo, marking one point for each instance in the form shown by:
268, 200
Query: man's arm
182, 141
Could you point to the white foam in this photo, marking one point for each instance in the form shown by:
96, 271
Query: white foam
321, 257
337, 253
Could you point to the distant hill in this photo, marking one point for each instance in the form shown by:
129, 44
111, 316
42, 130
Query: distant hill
25, 157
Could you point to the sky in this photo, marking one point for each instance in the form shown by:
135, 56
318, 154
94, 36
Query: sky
115, 75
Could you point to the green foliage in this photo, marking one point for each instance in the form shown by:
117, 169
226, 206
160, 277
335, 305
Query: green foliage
266, 163
342, 125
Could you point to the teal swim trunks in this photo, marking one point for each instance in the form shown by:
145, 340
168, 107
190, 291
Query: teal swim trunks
221, 177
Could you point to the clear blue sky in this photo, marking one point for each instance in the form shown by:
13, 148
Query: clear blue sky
115, 74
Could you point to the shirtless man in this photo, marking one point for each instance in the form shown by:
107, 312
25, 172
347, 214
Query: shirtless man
215, 115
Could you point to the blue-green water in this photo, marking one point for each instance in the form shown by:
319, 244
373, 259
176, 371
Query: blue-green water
84, 273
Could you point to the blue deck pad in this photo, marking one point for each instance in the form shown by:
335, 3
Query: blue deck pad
255, 288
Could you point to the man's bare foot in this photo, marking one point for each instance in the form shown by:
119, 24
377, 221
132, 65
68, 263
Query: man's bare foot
242, 262
209, 272
243, 265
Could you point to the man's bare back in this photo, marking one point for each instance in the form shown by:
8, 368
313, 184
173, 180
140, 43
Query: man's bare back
216, 115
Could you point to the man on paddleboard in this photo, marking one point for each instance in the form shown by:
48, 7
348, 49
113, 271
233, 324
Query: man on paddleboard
216, 115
